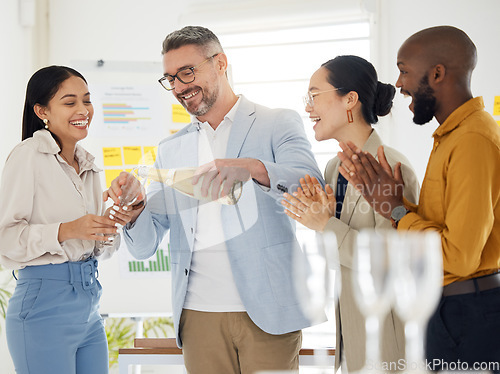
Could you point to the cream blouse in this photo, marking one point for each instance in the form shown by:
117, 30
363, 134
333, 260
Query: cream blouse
38, 192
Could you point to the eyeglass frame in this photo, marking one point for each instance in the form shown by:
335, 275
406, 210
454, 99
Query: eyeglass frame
166, 76
309, 98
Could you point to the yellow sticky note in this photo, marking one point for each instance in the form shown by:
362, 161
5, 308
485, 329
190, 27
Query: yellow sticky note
110, 175
132, 155
498, 123
112, 156
173, 131
149, 155
179, 114
496, 106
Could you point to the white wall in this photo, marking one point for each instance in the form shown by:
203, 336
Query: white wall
16, 65
401, 18
129, 30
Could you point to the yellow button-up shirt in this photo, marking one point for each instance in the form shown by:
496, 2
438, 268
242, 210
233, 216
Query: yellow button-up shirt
460, 196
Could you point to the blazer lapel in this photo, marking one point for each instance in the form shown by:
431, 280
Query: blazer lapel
352, 197
245, 117
352, 194
188, 207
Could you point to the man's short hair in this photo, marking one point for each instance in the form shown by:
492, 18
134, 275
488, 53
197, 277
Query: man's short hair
193, 35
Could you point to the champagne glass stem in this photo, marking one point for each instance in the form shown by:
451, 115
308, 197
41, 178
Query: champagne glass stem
372, 325
414, 345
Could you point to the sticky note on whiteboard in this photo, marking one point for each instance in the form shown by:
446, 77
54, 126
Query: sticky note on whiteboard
132, 155
149, 155
112, 156
496, 106
110, 175
179, 114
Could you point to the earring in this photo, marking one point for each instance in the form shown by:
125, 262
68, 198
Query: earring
46, 122
349, 116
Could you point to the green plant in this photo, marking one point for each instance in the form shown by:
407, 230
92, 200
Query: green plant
121, 333
5, 293
160, 327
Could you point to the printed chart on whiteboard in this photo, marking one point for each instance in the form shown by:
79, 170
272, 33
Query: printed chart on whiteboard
157, 266
125, 111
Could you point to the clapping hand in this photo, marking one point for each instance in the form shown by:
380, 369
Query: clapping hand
376, 181
311, 205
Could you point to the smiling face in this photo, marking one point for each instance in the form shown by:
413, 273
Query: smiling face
329, 110
413, 81
199, 96
69, 112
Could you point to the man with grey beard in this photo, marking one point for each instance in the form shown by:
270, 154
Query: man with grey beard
235, 306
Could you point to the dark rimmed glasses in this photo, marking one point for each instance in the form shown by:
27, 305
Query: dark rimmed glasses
309, 98
185, 75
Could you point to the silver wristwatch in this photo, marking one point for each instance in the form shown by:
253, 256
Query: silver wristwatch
397, 213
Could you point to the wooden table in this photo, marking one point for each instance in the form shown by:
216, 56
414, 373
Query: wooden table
164, 351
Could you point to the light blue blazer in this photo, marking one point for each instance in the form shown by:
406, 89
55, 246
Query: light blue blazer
260, 238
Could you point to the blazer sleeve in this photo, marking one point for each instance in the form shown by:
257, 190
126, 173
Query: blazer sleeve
293, 157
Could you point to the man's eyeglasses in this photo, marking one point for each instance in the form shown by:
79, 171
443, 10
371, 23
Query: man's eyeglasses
309, 98
185, 75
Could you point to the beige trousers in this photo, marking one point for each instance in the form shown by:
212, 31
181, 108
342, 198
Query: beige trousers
227, 343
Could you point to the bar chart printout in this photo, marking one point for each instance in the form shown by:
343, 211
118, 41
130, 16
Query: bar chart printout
157, 266
124, 114
127, 111
161, 262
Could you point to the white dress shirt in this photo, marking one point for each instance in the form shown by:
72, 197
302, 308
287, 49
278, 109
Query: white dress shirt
211, 286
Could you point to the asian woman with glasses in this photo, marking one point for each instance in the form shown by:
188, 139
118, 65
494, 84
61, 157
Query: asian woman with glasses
344, 100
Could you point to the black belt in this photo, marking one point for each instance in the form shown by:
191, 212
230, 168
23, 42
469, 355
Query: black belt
479, 284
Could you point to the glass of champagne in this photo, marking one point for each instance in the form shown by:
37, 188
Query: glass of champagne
127, 198
314, 283
373, 292
310, 274
418, 277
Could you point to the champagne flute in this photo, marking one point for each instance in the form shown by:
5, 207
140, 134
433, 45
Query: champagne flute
418, 273
310, 274
127, 198
314, 285
372, 283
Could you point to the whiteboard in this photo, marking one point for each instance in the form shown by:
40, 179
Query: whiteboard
132, 114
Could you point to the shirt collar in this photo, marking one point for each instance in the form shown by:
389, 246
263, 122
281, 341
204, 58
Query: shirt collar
47, 144
229, 116
458, 115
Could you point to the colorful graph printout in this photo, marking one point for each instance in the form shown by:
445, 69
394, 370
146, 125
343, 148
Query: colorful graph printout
127, 111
